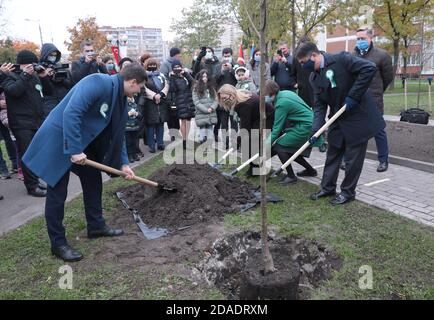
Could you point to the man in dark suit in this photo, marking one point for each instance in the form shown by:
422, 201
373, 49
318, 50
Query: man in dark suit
88, 123
338, 80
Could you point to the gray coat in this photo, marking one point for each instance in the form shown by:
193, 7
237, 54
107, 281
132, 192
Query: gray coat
166, 67
384, 75
202, 104
256, 73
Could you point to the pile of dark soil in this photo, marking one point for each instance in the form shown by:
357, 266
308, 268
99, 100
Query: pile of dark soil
203, 194
234, 256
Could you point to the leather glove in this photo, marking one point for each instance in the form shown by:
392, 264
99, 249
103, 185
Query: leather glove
351, 103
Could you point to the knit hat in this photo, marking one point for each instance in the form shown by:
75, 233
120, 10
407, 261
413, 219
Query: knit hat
26, 57
176, 63
174, 52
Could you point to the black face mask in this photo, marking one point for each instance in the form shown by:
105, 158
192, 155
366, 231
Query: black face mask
177, 71
152, 68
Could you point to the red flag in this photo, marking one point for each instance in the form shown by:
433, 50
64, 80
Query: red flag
115, 51
241, 60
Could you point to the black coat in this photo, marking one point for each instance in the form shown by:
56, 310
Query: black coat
249, 114
383, 76
25, 109
283, 75
226, 77
154, 113
304, 88
81, 69
61, 87
353, 77
180, 94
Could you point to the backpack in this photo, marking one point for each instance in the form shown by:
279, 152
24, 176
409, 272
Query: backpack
415, 115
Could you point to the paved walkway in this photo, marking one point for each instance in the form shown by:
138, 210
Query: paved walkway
401, 190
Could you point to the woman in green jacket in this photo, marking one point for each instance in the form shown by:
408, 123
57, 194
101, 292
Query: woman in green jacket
292, 127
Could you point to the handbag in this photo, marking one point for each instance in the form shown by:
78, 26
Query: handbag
415, 115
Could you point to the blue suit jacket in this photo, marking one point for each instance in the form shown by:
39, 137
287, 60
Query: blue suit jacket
76, 121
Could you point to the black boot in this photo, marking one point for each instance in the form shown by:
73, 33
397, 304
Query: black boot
288, 181
105, 232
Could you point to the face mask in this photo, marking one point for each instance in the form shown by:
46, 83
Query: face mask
363, 45
152, 68
258, 58
228, 60
309, 65
269, 100
209, 56
52, 59
110, 66
229, 102
194, 58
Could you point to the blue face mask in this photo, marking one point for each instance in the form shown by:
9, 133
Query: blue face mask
363, 45
269, 100
309, 65
258, 58
110, 66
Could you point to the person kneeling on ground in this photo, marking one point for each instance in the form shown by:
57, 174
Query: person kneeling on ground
88, 123
293, 120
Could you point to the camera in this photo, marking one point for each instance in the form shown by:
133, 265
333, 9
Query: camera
39, 68
60, 70
280, 53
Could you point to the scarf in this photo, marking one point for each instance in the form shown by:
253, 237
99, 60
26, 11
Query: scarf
156, 80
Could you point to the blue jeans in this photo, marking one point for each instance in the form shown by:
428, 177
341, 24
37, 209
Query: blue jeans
155, 132
382, 146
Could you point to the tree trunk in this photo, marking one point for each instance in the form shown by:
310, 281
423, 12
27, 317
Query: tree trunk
268, 259
395, 60
293, 27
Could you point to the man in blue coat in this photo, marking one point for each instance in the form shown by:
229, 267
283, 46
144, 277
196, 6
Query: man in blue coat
338, 80
88, 123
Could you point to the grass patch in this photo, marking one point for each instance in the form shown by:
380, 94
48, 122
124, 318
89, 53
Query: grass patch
393, 105
400, 252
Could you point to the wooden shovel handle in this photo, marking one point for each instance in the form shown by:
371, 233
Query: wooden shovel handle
317, 135
108, 169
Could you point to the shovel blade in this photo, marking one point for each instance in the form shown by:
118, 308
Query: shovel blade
149, 233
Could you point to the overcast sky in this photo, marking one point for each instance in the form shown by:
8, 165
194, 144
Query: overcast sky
56, 16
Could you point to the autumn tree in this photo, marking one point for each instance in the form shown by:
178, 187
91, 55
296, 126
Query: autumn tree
19, 45
198, 26
87, 30
7, 52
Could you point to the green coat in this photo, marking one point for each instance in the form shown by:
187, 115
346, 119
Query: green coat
291, 109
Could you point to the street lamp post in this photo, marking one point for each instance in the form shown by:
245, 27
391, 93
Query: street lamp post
118, 45
40, 29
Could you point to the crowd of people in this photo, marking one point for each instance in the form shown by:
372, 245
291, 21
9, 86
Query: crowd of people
54, 117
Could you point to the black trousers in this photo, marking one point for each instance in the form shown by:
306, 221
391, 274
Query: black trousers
223, 118
24, 138
91, 183
354, 159
132, 142
285, 154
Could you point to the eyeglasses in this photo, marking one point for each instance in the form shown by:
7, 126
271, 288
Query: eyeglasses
360, 39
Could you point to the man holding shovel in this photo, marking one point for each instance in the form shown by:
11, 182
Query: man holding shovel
338, 80
88, 123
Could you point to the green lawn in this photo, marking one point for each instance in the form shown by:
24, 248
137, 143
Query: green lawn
393, 105
400, 251
412, 86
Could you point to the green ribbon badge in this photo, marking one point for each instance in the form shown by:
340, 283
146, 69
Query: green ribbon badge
104, 108
39, 88
330, 75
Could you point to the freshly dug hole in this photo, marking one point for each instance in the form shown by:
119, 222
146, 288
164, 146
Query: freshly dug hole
203, 194
234, 264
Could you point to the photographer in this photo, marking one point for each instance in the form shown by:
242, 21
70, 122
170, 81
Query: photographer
210, 63
281, 69
24, 88
89, 63
60, 77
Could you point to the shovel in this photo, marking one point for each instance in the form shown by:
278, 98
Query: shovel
241, 167
307, 144
111, 170
218, 164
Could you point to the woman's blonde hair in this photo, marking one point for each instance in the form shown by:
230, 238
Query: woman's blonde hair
237, 96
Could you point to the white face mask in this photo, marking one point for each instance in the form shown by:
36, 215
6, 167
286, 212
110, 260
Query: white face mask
52, 59
209, 56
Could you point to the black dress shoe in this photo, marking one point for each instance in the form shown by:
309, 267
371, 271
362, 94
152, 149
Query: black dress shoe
383, 166
288, 181
321, 194
37, 192
340, 199
307, 173
43, 186
106, 232
67, 253
1, 197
